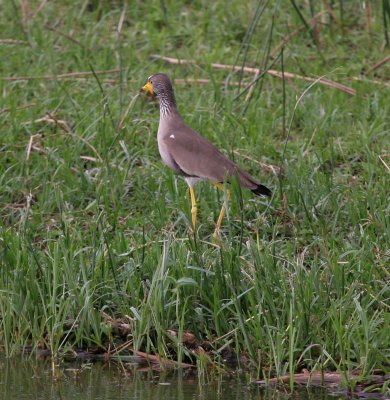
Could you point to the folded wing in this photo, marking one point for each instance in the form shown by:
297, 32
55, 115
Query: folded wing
196, 156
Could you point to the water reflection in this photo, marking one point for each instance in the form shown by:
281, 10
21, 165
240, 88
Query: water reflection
30, 378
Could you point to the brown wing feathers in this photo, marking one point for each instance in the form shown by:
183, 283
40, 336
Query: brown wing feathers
196, 156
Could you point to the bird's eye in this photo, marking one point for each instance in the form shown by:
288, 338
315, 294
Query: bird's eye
151, 82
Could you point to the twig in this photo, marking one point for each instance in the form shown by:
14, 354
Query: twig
39, 149
379, 64
252, 87
40, 8
190, 80
60, 76
367, 7
121, 20
51, 119
289, 75
171, 60
12, 41
384, 163
7, 109
161, 361
89, 158
318, 378
277, 74
25, 14
29, 146
374, 81
108, 81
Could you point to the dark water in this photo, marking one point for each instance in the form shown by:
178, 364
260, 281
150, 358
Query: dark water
30, 378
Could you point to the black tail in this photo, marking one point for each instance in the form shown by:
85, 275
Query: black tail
262, 190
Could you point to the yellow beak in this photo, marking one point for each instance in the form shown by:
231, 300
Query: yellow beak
148, 88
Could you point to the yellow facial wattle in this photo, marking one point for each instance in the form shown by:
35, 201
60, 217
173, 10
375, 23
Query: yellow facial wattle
148, 88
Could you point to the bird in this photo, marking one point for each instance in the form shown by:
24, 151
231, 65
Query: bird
191, 155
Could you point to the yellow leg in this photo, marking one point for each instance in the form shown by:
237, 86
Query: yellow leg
219, 222
223, 209
194, 208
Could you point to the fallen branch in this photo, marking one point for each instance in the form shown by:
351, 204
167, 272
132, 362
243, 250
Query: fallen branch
321, 378
161, 361
379, 64
374, 81
60, 76
12, 41
272, 72
199, 81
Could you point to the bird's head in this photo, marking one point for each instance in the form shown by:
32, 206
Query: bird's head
160, 85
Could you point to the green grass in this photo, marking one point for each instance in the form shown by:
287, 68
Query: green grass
301, 281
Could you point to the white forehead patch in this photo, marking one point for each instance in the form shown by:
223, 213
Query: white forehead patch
172, 136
